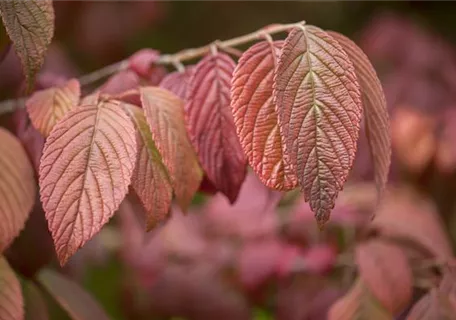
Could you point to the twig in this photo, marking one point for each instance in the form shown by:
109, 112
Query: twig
175, 59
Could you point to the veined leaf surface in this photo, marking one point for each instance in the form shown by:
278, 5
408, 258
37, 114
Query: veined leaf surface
319, 106
46, 107
150, 178
375, 110
17, 188
85, 170
255, 115
11, 300
177, 82
211, 125
165, 116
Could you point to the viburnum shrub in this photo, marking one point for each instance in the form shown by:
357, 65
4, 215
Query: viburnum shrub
289, 108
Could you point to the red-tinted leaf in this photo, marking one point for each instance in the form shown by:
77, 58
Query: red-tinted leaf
47, 107
71, 297
87, 164
150, 178
319, 107
358, 304
11, 301
141, 62
17, 188
177, 82
385, 270
432, 306
211, 125
30, 25
120, 82
255, 116
374, 107
35, 305
448, 283
165, 115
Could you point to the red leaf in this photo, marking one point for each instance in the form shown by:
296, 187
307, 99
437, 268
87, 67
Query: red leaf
150, 178
319, 106
385, 270
432, 306
17, 188
86, 168
375, 110
71, 297
46, 107
177, 82
255, 115
120, 82
35, 305
165, 115
142, 61
211, 125
11, 301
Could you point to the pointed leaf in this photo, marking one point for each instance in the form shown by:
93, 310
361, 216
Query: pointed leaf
177, 82
255, 116
165, 115
319, 106
11, 301
358, 304
30, 25
17, 188
47, 107
79, 304
375, 110
432, 306
150, 178
87, 164
35, 305
211, 124
385, 270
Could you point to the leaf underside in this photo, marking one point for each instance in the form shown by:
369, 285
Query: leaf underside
17, 188
85, 170
319, 106
11, 300
255, 115
30, 25
165, 116
211, 125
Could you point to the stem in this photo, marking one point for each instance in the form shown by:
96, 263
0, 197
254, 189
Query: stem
175, 59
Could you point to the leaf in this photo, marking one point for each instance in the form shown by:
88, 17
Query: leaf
165, 116
448, 282
17, 188
374, 108
255, 116
121, 81
385, 270
142, 62
358, 304
150, 178
30, 25
47, 107
319, 107
211, 124
11, 301
78, 303
35, 305
177, 82
85, 170
432, 306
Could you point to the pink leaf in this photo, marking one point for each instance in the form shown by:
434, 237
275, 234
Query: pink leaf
11, 300
177, 82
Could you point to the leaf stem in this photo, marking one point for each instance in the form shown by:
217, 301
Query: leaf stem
174, 59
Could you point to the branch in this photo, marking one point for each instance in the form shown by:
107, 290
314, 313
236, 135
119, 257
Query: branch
175, 59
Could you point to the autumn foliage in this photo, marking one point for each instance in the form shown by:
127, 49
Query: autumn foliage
289, 144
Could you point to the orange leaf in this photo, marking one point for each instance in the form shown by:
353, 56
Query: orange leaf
211, 124
375, 110
177, 82
78, 303
319, 106
385, 270
11, 301
165, 116
17, 188
255, 116
150, 178
47, 107
358, 304
85, 170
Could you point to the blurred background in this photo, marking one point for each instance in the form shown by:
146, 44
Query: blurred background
255, 260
